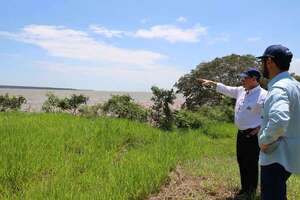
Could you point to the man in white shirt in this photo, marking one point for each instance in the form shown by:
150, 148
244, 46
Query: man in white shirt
249, 100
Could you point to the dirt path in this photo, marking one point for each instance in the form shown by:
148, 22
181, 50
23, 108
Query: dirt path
182, 186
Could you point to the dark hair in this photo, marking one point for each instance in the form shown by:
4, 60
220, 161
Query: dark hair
283, 65
257, 78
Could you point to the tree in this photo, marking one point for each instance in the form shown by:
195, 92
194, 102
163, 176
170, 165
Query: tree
72, 104
162, 115
11, 103
51, 104
225, 70
75, 101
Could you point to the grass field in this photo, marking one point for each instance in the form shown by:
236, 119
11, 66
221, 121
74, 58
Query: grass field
48, 156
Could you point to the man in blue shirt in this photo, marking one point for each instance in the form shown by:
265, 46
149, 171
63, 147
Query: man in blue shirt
279, 136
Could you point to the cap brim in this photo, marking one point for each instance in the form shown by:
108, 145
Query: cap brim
243, 75
261, 57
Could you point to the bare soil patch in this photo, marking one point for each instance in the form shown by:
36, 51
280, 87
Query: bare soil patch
184, 186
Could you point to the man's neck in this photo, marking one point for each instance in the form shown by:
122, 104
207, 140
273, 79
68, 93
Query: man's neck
274, 73
251, 87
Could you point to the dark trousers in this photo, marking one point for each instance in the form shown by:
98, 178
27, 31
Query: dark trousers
273, 182
247, 156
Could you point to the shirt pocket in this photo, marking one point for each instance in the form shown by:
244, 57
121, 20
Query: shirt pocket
254, 108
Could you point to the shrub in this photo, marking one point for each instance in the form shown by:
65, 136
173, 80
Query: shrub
72, 104
185, 119
218, 113
90, 111
51, 104
123, 106
8, 103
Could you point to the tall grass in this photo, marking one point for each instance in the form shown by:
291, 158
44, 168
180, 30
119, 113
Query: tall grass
57, 156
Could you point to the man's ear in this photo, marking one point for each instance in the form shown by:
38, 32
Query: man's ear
270, 63
269, 60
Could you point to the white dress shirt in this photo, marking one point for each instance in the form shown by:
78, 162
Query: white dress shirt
248, 106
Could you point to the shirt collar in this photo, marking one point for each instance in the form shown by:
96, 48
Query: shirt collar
278, 77
253, 90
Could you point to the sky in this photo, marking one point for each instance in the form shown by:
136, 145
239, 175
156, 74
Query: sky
131, 45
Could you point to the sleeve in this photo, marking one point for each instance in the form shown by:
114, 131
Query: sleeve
277, 106
228, 90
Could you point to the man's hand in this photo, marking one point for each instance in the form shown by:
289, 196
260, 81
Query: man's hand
206, 82
253, 132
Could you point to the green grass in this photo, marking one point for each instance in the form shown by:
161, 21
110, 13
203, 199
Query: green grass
48, 156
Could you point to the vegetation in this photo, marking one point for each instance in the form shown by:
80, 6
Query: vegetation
51, 104
91, 111
72, 104
46, 156
162, 115
13, 103
123, 106
59, 156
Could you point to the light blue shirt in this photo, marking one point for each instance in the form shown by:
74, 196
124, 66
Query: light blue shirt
281, 123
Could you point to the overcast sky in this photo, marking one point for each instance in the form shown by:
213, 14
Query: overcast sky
130, 45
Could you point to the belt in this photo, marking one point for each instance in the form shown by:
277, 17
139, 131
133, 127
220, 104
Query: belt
247, 130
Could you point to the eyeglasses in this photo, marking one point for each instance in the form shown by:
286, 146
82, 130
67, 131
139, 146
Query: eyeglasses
246, 78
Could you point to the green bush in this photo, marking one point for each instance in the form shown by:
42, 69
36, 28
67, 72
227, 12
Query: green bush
123, 106
13, 103
221, 113
51, 104
72, 104
91, 111
161, 113
185, 119
75, 101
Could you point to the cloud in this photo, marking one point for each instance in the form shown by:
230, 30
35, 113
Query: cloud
172, 33
253, 39
181, 19
295, 66
62, 42
106, 32
167, 32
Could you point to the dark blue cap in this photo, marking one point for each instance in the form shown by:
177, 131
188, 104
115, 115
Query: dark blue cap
251, 72
282, 55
